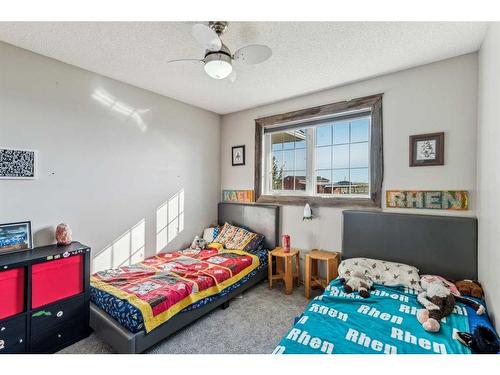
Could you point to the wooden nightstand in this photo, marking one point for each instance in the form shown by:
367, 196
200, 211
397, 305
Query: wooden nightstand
284, 271
312, 279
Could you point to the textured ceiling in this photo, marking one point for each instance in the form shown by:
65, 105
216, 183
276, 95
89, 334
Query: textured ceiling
307, 56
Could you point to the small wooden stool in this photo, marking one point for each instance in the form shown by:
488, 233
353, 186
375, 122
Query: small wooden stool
286, 272
312, 279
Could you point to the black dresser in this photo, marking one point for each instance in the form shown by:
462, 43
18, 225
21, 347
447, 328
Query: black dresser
45, 295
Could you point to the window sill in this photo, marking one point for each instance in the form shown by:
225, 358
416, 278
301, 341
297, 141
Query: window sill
319, 201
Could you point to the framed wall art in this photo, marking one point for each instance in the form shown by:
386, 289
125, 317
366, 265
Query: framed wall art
238, 155
17, 164
427, 149
15, 237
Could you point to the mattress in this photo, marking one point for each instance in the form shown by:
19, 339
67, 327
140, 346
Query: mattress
131, 318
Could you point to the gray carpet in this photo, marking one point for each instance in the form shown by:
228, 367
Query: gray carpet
253, 323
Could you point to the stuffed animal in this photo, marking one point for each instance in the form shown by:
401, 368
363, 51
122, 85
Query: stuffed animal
359, 282
438, 302
198, 243
469, 288
482, 341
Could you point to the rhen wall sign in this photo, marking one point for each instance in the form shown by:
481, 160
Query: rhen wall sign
428, 199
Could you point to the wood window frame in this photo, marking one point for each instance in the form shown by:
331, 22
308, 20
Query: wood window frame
373, 102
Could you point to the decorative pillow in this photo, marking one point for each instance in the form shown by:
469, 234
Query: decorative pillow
255, 244
226, 234
216, 231
382, 272
237, 238
240, 240
209, 234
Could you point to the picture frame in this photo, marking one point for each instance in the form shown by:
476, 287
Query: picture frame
15, 237
18, 164
238, 155
426, 149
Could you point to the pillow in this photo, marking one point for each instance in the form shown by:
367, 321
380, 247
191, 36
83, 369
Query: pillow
209, 234
216, 231
226, 233
237, 238
255, 244
382, 272
240, 240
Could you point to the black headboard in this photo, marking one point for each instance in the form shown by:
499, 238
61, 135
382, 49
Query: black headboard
259, 218
439, 245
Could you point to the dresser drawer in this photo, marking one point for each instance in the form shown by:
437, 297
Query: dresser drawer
59, 336
13, 335
58, 313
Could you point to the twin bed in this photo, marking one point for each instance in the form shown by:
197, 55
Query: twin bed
333, 322
124, 327
385, 322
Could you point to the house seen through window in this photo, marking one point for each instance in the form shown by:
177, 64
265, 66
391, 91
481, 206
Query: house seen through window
329, 158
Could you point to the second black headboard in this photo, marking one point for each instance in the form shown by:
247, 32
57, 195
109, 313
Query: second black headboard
438, 245
259, 218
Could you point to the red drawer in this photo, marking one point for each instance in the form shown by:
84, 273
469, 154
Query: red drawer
11, 292
57, 279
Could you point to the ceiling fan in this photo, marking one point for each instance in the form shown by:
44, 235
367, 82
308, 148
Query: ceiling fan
218, 60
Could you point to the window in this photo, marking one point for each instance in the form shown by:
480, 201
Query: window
342, 157
288, 160
333, 157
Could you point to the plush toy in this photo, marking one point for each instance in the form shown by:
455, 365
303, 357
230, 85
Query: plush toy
439, 302
469, 288
359, 282
198, 243
482, 341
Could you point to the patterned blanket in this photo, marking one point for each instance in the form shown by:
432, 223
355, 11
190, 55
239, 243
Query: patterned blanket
163, 285
384, 323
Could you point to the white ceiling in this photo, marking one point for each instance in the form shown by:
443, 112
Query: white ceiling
307, 56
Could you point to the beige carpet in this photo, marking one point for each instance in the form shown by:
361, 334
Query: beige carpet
253, 323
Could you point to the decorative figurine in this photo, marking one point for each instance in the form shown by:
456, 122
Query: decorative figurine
63, 234
307, 212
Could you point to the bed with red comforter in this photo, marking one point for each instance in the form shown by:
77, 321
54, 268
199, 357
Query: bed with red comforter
163, 285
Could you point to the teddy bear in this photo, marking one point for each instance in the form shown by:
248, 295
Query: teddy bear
469, 288
357, 281
439, 302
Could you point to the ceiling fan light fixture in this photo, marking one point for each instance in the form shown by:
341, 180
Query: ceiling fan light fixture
218, 58
218, 65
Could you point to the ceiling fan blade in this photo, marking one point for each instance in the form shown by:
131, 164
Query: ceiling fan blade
185, 60
232, 77
253, 54
207, 37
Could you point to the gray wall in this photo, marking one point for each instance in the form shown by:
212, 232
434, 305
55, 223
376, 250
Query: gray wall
437, 97
488, 168
109, 155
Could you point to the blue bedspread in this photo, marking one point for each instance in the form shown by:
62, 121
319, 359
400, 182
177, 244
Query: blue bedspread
131, 318
386, 322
